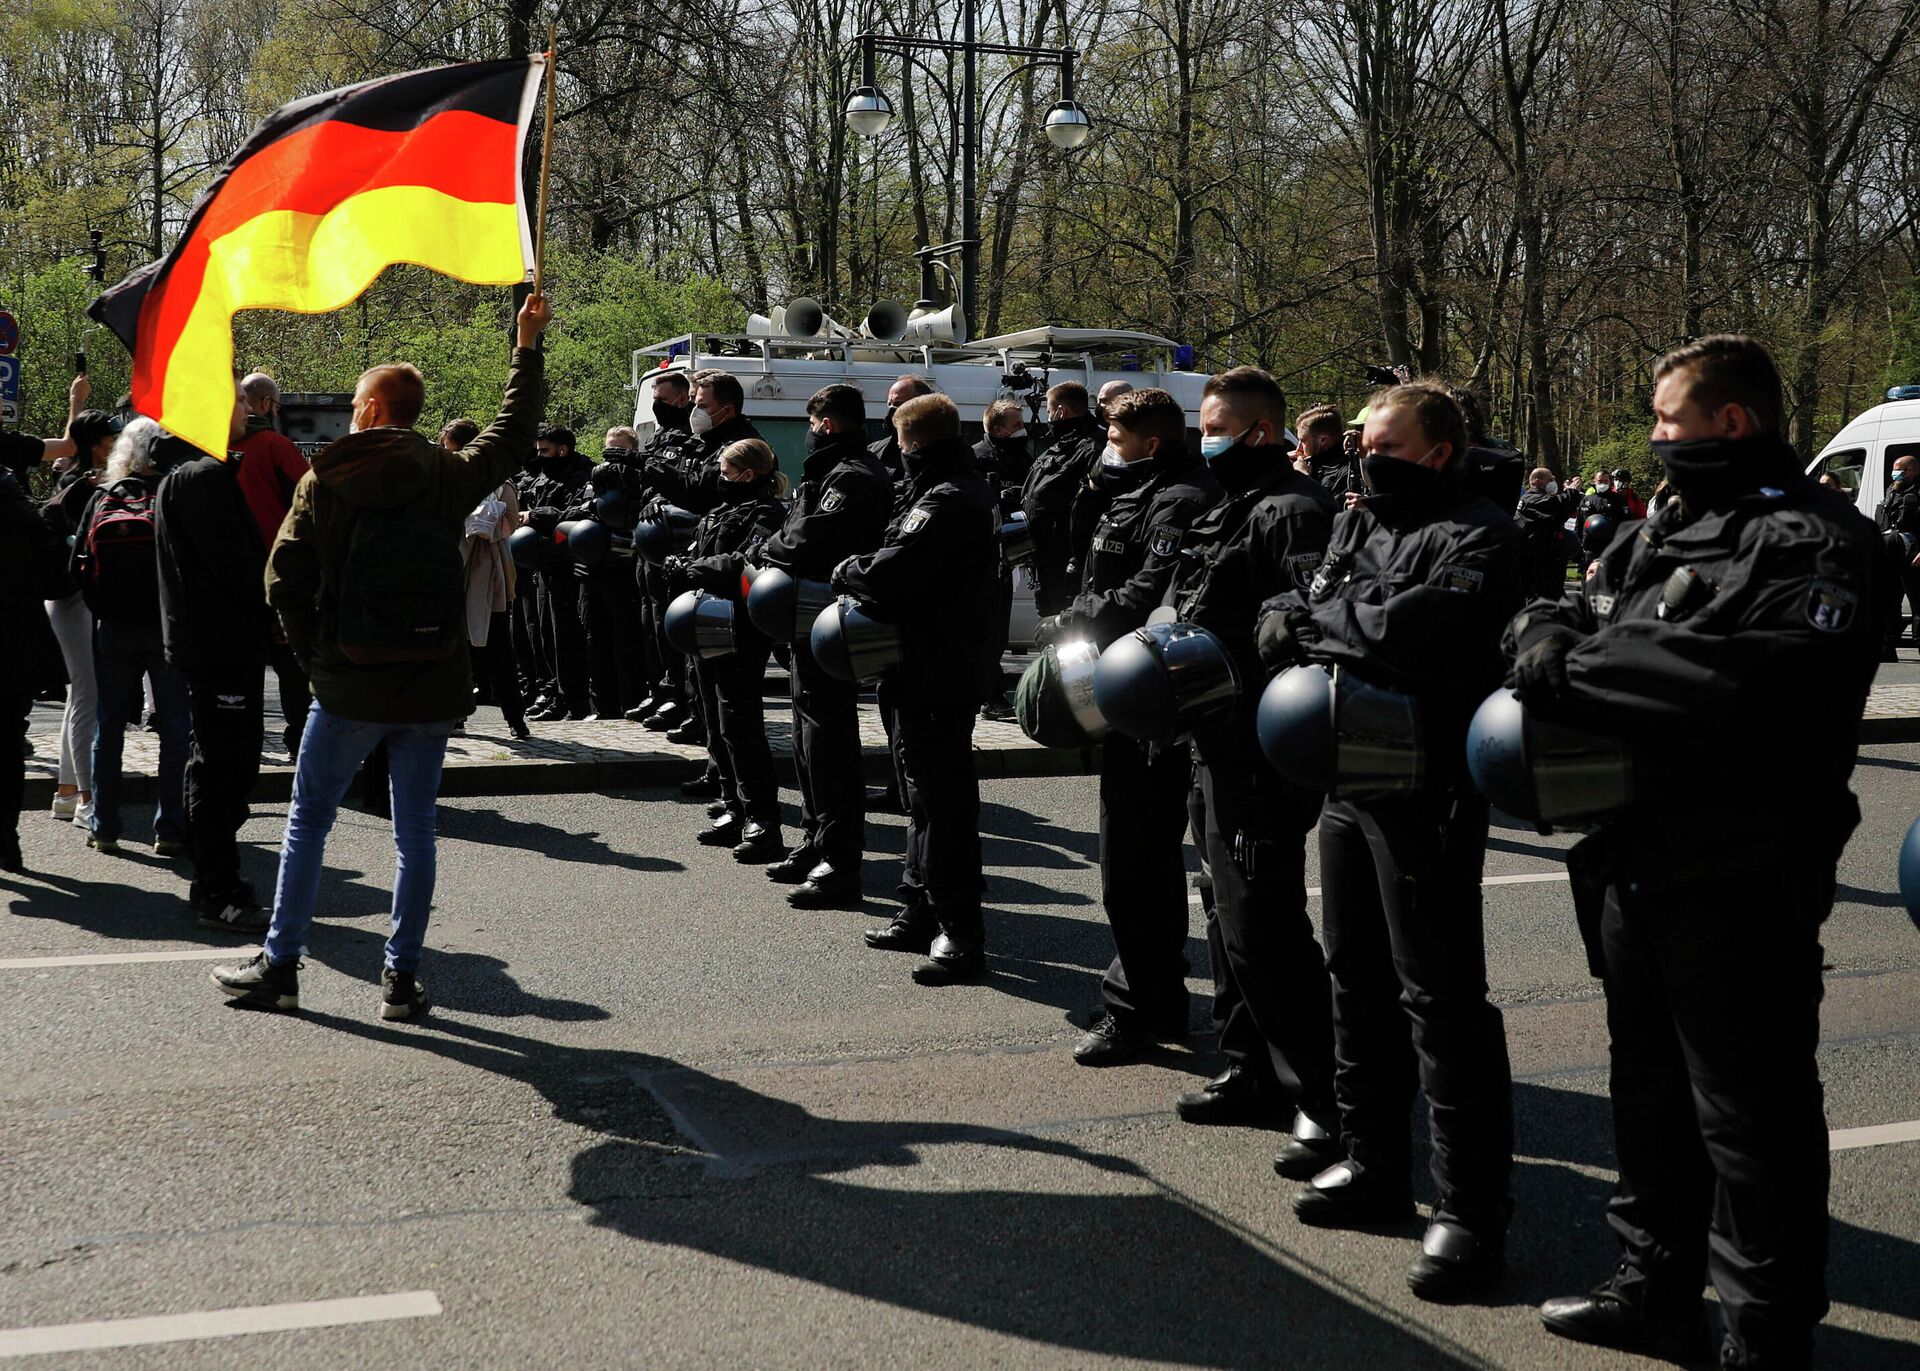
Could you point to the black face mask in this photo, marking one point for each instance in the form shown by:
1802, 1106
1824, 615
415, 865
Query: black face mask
818, 438
1711, 473
1390, 478
672, 416
1241, 466
915, 461
1118, 480
891, 411
738, 492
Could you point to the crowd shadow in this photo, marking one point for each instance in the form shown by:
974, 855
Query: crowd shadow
492, 828
1173, 1283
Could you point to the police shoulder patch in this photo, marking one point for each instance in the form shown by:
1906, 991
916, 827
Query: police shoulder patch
1302, 566
832, 501
1602, 606
916, 519
1467, 580
1166, 542
1831, 607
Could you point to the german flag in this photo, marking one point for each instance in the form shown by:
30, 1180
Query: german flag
326, 194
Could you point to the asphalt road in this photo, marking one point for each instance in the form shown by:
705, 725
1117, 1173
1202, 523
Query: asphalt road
658, 1119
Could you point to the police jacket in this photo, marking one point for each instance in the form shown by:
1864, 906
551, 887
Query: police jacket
1607, 502
1055, 481
886, 451
729, 535
1338, 474
931, 577
1899, 511
1005, 464
1497, 470
690, 477
1413, 596
1734, 648
1543, 518
556, 489
842, 508
1265, 538
1136, 545
213, 564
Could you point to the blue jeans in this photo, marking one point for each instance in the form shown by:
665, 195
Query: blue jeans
122, 654
331, 750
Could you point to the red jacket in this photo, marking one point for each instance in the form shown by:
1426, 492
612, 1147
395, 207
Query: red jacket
271, 467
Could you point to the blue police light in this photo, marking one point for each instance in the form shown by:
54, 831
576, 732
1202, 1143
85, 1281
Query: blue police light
1904, 393
1183, 357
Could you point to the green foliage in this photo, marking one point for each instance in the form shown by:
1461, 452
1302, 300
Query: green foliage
1625, 447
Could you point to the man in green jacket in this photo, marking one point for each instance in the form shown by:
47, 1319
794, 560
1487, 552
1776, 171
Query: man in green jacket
379, 624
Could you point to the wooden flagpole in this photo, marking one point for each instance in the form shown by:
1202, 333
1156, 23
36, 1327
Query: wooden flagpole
546, 163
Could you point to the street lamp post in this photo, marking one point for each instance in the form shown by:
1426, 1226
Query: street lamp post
869, 111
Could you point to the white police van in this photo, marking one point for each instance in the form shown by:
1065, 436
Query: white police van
1861, 455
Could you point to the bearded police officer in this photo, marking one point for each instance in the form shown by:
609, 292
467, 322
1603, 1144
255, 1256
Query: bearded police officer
839, 511
1157, 487
1270, 1002
1054, 483
1420, 579
929, 578
1748, 597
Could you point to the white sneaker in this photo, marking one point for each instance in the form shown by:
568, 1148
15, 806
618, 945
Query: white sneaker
64, 806
83, 815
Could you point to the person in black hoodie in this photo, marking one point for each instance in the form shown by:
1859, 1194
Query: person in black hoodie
1054, 482
32, 571
1156, 487
563, 476
928, 578
840, 510
1419, 580
1271, 1002
219, 635
746, 511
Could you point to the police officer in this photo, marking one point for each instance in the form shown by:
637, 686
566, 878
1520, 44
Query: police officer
1542, 514
840, 510
927, 578
1605, 501
1899, 519
1494, 467
1004, 458
1322, 438
1157, 488
563, 475
662, 668
1054, 482
887, 447
1750, 594
610, 592
1271, 1001
1418, 583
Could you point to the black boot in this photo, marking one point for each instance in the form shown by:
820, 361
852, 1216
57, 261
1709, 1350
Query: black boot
1626, 1313
1235, 1096
1312, 1149
1349, 1195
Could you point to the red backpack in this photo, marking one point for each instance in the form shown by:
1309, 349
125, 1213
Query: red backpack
118, 571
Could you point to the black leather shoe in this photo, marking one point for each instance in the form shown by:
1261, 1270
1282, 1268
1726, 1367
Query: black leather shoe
715, 808
1455, 1263
1311, 1150
759, 845
544, 714
951, 962
669, 715
1348, 1195
724, 833
830, 887
793, 868
639, 711
689, 734
1611, 1315
701, 788
1113, 1042
1232, 1097
912, 930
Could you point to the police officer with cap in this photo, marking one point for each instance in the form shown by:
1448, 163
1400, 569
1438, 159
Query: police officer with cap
928, 578
1750, 595
840, 510
1157, 488
1054, 482
1271, 1000
1420, 579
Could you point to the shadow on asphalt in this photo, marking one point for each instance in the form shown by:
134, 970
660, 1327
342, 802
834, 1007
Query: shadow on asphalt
491, 828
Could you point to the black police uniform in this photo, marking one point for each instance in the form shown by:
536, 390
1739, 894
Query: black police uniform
529, 644
1053, 484
1143, 788
1496, 470
1899, 518
663, 669
1415, 591
1004, 462
840, 510
1271, 1002
1748, 601
926, 578
745, 514
1596, 501
1338, 473
1543, 518
557, 488
610, 610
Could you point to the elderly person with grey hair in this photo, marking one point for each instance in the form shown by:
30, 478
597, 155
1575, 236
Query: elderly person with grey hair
114, 564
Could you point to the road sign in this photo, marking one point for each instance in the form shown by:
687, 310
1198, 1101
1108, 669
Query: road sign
9, 334
9, 390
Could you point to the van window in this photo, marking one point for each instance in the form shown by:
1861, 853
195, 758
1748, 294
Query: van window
1846, 467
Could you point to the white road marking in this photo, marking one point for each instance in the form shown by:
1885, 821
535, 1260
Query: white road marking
198, 954
1531, 878
1845, 1139
217, 1323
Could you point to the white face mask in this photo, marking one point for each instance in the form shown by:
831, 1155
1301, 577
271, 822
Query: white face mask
1019, 435
1603, 486
1552, 487
1111, 457
700, 421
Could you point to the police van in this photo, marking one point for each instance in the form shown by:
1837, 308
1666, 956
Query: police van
782, 359
1860, 456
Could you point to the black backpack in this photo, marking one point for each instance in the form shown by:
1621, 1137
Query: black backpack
403, 588
119, 573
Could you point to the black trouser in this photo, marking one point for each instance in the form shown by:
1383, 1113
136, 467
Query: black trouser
1143, 879
610, 609
223, 766
1053, 588
566, 641
494, 663
886, 701
1272, 1003
295, 698
529, 652
1713, 1004
16, 705
933, 749
704, 680
993, 683
826, 754
663, 668
737, 730
1401, 894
